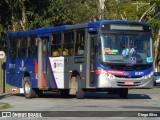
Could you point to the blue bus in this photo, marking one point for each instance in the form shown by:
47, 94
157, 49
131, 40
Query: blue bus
107, 55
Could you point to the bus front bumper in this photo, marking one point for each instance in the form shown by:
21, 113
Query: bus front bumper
103, 82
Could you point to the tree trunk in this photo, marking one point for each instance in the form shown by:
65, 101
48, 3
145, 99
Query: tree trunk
23, 21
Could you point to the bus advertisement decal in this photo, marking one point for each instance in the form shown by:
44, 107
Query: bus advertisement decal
12, 66
116, 72
22, 68
57, 66
139, 73
122, 73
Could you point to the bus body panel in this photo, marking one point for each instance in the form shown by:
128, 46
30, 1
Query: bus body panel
16, 70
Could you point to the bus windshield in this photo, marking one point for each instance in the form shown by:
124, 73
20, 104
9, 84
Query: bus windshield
125, 48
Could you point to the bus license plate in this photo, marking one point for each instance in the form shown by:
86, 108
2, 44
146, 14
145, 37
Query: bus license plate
129, 83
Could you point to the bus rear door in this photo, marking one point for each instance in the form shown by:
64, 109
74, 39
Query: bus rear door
42, 60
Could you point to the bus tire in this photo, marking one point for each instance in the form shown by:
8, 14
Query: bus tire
79, 92
29, 92
123, 93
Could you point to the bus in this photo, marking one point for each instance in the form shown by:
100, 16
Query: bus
107, 55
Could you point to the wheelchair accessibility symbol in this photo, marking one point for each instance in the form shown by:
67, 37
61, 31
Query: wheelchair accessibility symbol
132, 60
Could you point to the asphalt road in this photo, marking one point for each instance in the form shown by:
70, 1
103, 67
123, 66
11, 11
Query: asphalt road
139, 101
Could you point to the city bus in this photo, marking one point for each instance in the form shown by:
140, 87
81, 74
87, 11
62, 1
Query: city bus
107, 55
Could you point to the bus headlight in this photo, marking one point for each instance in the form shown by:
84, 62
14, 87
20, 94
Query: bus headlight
107, 75
111, 76
148, 76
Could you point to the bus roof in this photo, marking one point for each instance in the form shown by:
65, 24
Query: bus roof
68, 27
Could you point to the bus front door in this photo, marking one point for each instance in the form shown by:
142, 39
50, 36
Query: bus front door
90, 72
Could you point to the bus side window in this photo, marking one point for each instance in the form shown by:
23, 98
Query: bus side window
56, 45
32, 49
13, 53
68, 43
80, 49
80, 41
22, 49
23, 52
13, 45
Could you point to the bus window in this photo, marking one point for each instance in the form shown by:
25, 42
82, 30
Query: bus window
56, 45
80, 41
22, 50
32, 48
69, 37
44, 46
68, 43
13, 47
68, 49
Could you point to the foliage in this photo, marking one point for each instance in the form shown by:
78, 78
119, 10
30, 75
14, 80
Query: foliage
4, 106
18, 15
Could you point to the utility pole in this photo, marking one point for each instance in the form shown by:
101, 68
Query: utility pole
139, 5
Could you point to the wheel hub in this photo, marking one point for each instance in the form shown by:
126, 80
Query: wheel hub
27, 88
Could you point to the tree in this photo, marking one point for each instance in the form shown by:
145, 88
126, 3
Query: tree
16, 12
126, 10
155, 21
18, 15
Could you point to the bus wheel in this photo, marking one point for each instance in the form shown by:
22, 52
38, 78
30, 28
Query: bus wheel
79, 92
28, 90
123, 92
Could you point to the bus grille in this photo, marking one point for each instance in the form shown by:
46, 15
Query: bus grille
127, 76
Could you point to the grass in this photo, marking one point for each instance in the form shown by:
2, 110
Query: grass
4, 106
